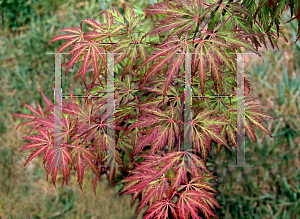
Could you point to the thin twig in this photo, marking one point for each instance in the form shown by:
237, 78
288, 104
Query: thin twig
204, 25
224, 104
207, 20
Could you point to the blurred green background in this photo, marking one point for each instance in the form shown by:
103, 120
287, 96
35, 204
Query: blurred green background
270, 189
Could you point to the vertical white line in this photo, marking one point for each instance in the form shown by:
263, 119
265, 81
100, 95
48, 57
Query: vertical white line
240, 150
110, 111
187, 106
58, 113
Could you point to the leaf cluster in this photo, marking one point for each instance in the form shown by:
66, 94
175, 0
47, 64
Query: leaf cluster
149, 101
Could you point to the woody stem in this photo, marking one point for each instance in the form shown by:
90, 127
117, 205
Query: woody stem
180, 124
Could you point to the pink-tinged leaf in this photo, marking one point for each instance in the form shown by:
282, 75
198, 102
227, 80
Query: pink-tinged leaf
158, 65
161, 8
95, 64
129, 13
203, 139
172, 135
231, 134
191, 202
34, 154
84, 156
258, 124
203, 115
66, 158
75, 57
95, 35
255, 117
214, 134
144, 122
179, 25
143, 141
181, 176
29, 146
99, 52
63, 37
160, 210
74, 109
188, 24
197, 162
46, 122
167, 49
94, 183
85, 65
79, 170
155, 190
32, 110
89, 158
145, 173
156, 111
149, 194
142, 52
172, 71
42, 141
92, 23
53, 164
77, 35
118, 28
215, 68
160, 140
64, 46
114, 14
40, 110
136, 20
198, 186
250, 131
28, 124
34, 138
201, 65
47, 101
131, 60
23, 115
74, 30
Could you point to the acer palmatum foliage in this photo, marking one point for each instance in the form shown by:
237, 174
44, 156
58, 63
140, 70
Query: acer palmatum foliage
149, 98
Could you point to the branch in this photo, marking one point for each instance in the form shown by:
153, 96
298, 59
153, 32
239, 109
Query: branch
204, 25
180, 123
209, 18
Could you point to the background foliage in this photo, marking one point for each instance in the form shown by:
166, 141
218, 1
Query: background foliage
269, 190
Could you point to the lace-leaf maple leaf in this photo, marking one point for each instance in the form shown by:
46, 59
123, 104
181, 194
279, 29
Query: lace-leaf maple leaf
182, 16
168, 50
83, 156
164, 8
214, 51
190, 201
129, 46
204, 130
181, 176
148, 124
42, 142
88, 49
165, 130
255, 117
160, 210
77, 35
84, 49
56, 158
150, 176
38, 114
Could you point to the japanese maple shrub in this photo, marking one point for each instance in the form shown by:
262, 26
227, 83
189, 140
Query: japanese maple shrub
149, 101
